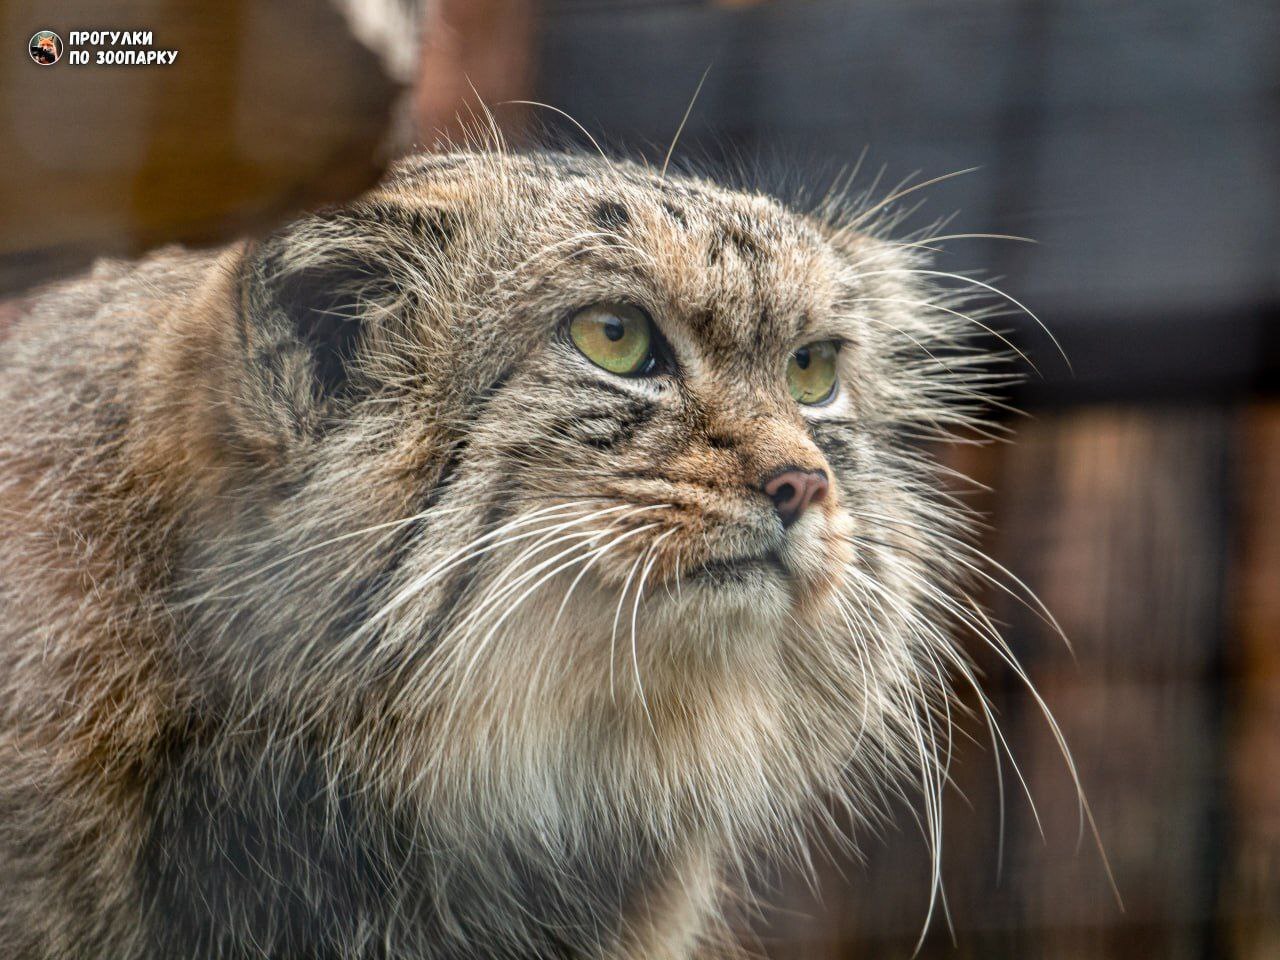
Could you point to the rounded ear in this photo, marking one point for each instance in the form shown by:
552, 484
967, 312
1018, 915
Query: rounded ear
313, 296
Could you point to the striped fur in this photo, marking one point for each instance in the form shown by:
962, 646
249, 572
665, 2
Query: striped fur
347, 611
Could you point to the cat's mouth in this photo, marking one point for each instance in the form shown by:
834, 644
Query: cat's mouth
803, 569
743, 570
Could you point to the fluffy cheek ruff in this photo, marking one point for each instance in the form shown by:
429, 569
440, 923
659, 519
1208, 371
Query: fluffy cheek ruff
512, 661
614, 689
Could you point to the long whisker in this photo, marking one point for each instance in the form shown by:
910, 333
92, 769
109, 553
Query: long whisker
547, 106
662, 175
982, 628
499, 589
617, 615
596, 556
929, 629
927, 304
635, 610
1028, 598
222, 589
904, 191
486, 543
988, 287
546, 538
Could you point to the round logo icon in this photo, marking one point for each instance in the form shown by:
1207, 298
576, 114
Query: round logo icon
45, 48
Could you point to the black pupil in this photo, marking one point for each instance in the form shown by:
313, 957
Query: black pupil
802, 358
614, 330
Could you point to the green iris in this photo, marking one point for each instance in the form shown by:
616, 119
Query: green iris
614, 336
811, 372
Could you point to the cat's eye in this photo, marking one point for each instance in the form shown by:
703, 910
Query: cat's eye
614, 336
811, 372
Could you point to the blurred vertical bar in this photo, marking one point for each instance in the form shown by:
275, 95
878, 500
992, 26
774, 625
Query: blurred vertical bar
1116, 518
167, 139
1250, 899
474, 49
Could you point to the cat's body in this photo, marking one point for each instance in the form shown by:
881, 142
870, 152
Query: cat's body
348, 610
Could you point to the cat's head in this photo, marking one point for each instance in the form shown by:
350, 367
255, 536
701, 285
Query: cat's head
546, 462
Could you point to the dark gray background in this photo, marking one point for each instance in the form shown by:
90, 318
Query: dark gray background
1137, 142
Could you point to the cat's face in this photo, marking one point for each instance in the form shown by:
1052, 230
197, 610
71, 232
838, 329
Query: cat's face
573, 444
684, 372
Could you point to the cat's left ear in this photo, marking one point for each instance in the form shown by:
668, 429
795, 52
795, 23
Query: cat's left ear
316, 295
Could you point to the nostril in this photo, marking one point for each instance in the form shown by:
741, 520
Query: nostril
793, 490
783, 495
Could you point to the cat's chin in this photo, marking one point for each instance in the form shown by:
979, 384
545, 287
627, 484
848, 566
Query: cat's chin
714, 609
756, 595
795, 580
747, 590
723, 618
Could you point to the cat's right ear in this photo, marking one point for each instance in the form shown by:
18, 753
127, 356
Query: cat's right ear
313, 297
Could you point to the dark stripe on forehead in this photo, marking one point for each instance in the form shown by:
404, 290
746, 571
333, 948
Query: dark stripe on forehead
736, 235
675, 213
733, 236
715, 248
437, 226
764, 328
746, 244
610, 215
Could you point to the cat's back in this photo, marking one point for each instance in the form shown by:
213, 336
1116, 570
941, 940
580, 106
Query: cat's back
92, 390
93, 325
84, 689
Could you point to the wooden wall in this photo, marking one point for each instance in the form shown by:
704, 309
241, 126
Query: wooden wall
269, 108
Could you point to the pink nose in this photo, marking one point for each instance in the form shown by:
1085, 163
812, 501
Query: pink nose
793, 490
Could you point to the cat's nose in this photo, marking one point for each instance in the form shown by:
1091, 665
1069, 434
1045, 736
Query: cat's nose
792, 490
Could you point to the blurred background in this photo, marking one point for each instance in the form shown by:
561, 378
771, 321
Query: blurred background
1138, 143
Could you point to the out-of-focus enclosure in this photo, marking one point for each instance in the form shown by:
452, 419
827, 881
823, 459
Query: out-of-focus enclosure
1138, 143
